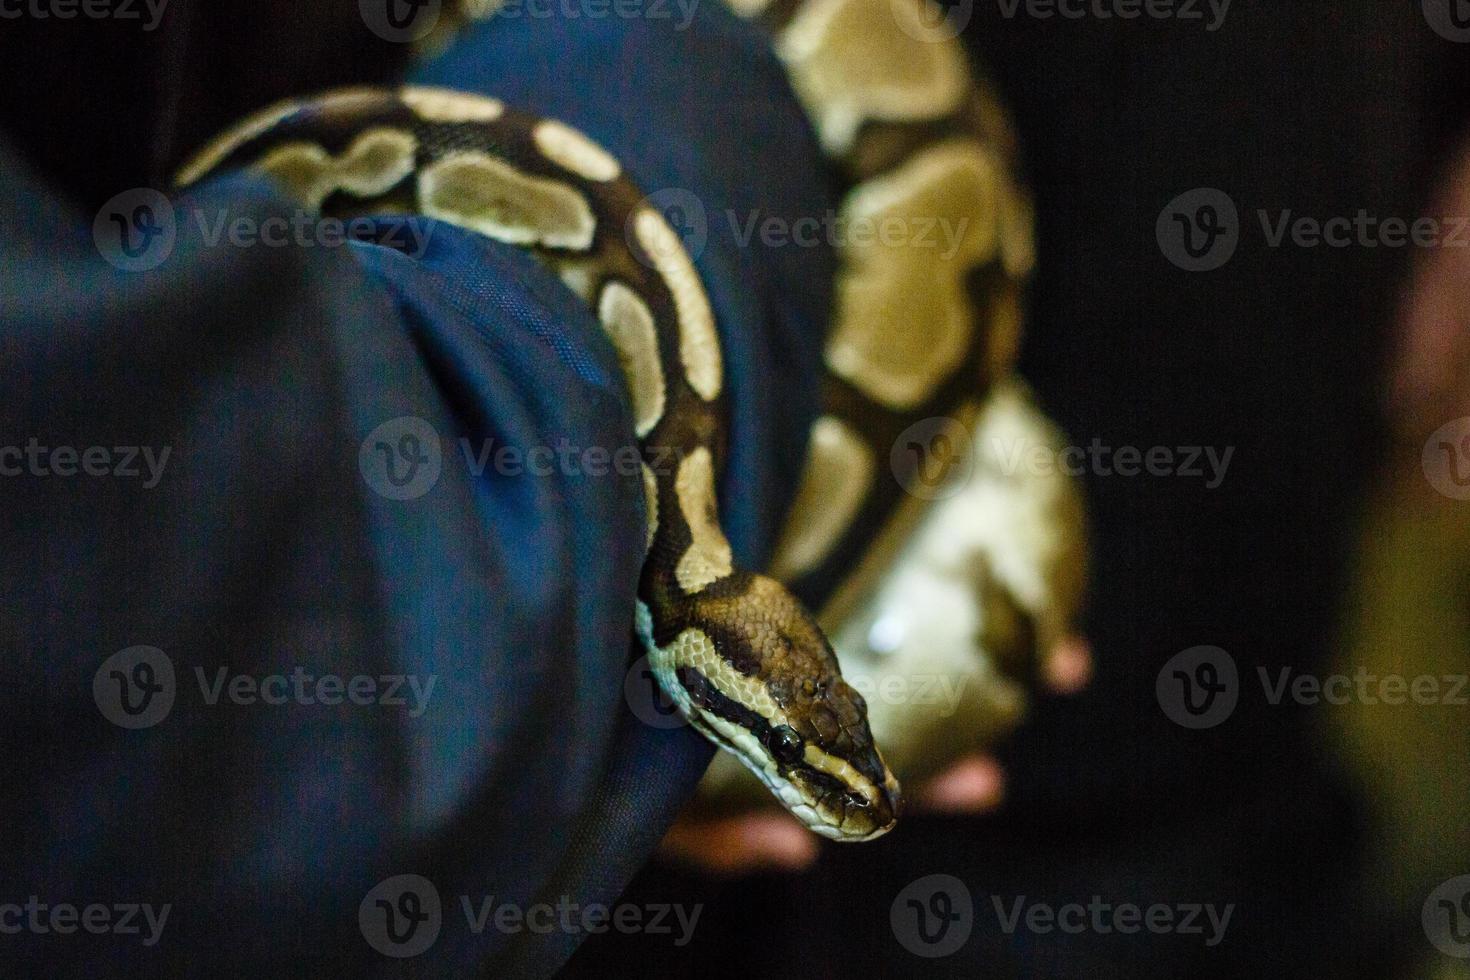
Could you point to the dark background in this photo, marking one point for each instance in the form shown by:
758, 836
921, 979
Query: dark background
1323, 109
1320, 108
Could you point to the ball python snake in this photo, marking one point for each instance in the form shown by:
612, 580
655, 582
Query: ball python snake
915, 334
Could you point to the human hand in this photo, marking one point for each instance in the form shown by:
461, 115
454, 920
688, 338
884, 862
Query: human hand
1429, 380
770, 840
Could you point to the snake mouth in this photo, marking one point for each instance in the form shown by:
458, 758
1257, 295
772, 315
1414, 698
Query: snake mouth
823, 804
852, 815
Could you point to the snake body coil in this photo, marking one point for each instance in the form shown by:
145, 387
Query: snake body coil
744, 662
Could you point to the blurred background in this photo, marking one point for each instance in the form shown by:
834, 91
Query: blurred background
1328, 548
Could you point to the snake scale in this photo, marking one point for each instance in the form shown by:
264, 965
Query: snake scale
737, 652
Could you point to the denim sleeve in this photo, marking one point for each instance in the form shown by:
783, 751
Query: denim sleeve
318, 557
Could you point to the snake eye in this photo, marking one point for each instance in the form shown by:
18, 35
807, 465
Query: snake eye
784, 744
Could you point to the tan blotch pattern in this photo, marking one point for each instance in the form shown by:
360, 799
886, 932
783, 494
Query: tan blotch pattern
699, 345
449, 106
708, 558
694, 648
568, 148
372, 164
484, 193
835, 482
748, 8
629, 324
904, 321
650, 502
1017, 245
858, 60
209, 157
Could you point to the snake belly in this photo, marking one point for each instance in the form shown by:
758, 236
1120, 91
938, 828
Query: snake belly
745, 663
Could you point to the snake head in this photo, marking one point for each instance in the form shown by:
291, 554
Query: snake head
752, 670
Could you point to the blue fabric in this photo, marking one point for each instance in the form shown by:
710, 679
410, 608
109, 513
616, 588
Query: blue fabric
265, 545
